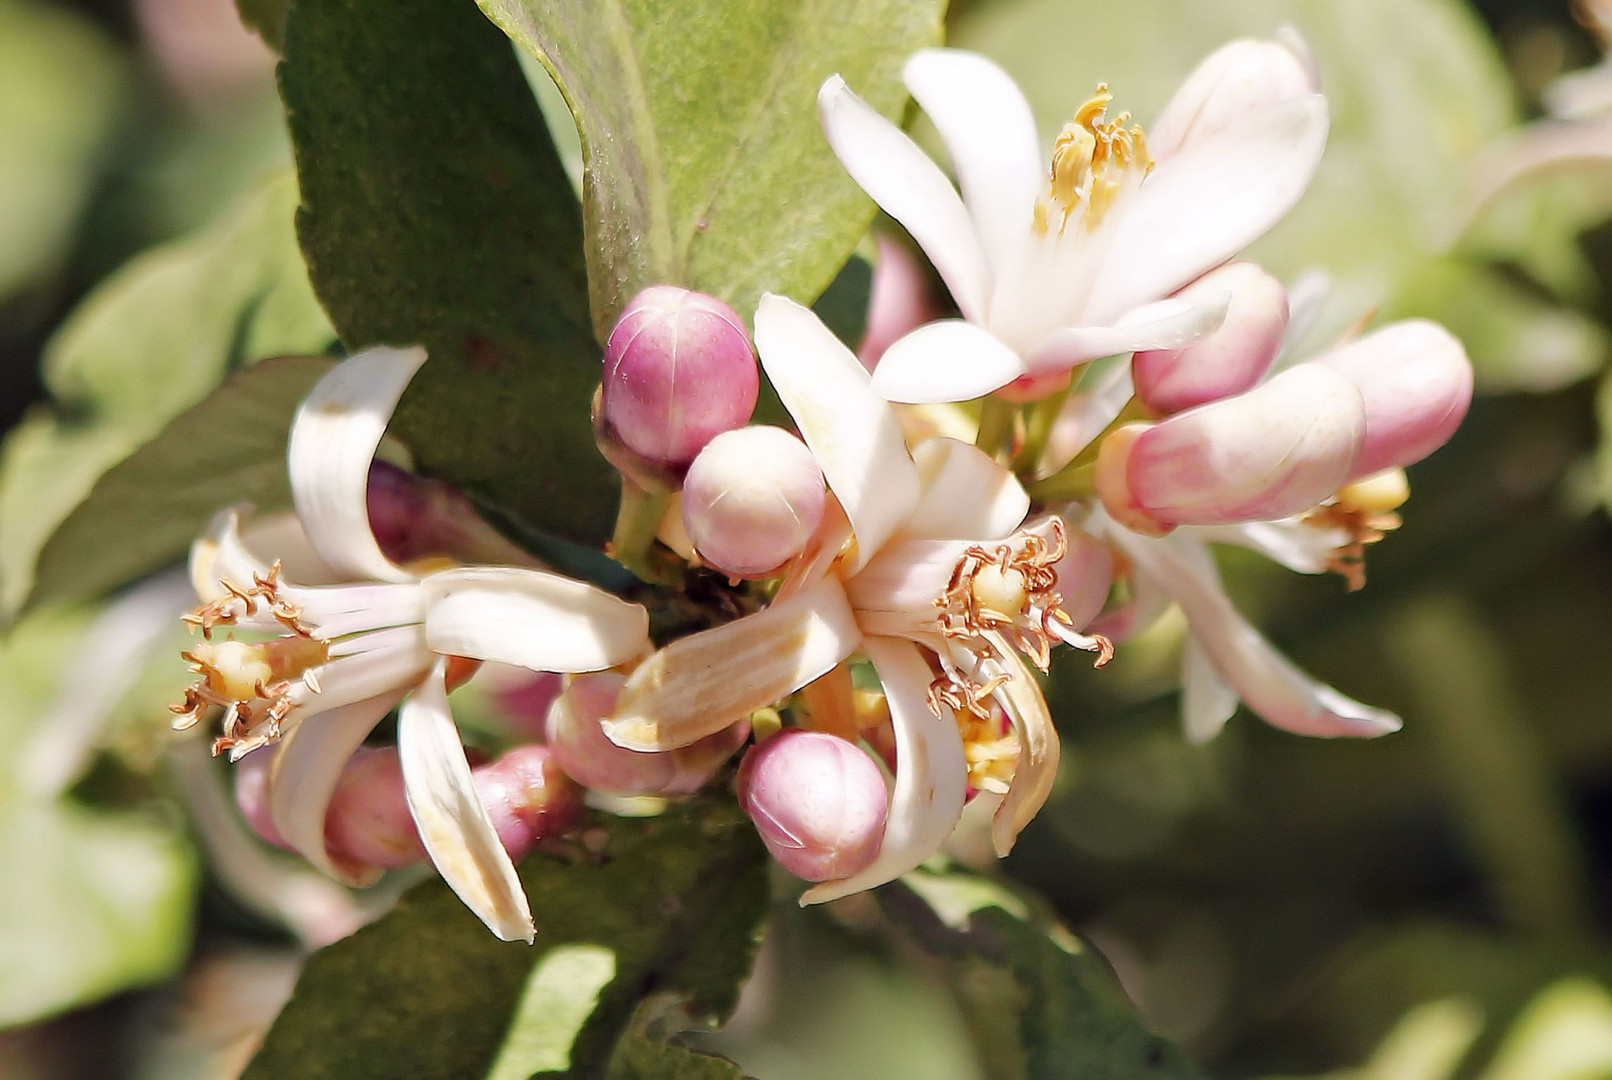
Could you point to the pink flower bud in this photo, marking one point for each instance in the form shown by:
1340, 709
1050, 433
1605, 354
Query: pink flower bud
368, 822
1233, 84
1416, 381
528, 798
678, 371
587, 755
1277, 450
1232, 359
1085, 576
752, 500
818, 802
523, 703
252, 796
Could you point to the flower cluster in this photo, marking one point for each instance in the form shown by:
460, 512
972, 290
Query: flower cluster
878, 591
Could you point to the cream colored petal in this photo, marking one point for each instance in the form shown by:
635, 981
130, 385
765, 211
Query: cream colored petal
332, 444
218, 555
898, 176
454, 826
966, 494
1207, 700
851, 431
1167, 324
1037, 768
700, 684
991, 136
931, 775
946, 360
530, 618
308, 761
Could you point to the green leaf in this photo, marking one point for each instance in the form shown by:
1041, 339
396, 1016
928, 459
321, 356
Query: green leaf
148, 343
1416, 89
101, 900
266, 19
1042, 1005
61, 84
705, 165
435, 211
145, 512
653, 928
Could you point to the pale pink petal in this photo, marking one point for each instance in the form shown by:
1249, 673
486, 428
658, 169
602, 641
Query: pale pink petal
991, 135
851, 430
1207, 700
530, 618
332, 443
946, 360
909, 187
454, 827
927, 798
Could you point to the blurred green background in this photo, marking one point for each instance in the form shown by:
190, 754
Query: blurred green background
1435, 904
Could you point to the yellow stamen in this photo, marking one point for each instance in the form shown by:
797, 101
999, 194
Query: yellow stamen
1092, 159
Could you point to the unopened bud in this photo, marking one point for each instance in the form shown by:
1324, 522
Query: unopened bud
523, 702
368, 822
414, 518
752, 500
251, 774
528, 798
587, 755
1232, 85
1416, 382
818, 802
1231, 359
678, 370
1278, 450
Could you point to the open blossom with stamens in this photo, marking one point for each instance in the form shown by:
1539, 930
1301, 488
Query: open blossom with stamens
342, 656
1052, 267
925, 565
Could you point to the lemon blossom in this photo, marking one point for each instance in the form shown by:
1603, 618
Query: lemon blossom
1054, 266
343, 656
925, 565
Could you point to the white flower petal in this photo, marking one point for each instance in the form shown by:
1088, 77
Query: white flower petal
700, 684
368, 664
967, 495
930, 781
851, 431
1580, 95
454, 826
1301, 547
1267, 681
1240, 78
909, 187
530, 618
991, 135
308, 761
1201, 207
218, 555
333, 441
946, 360
1173, 323
1037, 767
1207, 700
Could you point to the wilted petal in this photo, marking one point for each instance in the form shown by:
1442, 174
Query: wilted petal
333, 441
454, 826
700, 684
308, 761
533, 619
1201, 207
851, 430
1037, 766
1167, 324
929, 790
947, 360
991, 135
966, 494
909, 187
1264, 679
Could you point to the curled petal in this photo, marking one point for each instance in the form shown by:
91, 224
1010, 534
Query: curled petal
1231, 85
454, 827
1166, 324
991, 135
1037, 766
909, 187
530, 618
850, 429
1207, 700
700, 684
333, 441
947, 360
966, 494
219, 555
1267, 681
308, 761
927, 798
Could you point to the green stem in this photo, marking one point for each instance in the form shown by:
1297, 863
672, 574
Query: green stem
1042, 420
637, 520
996, 420
1074, 482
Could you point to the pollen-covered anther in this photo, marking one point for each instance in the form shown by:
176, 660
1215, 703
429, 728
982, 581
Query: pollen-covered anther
243, 601
1091, 160
251, 682
1364, 511
1010, 588
991, 750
